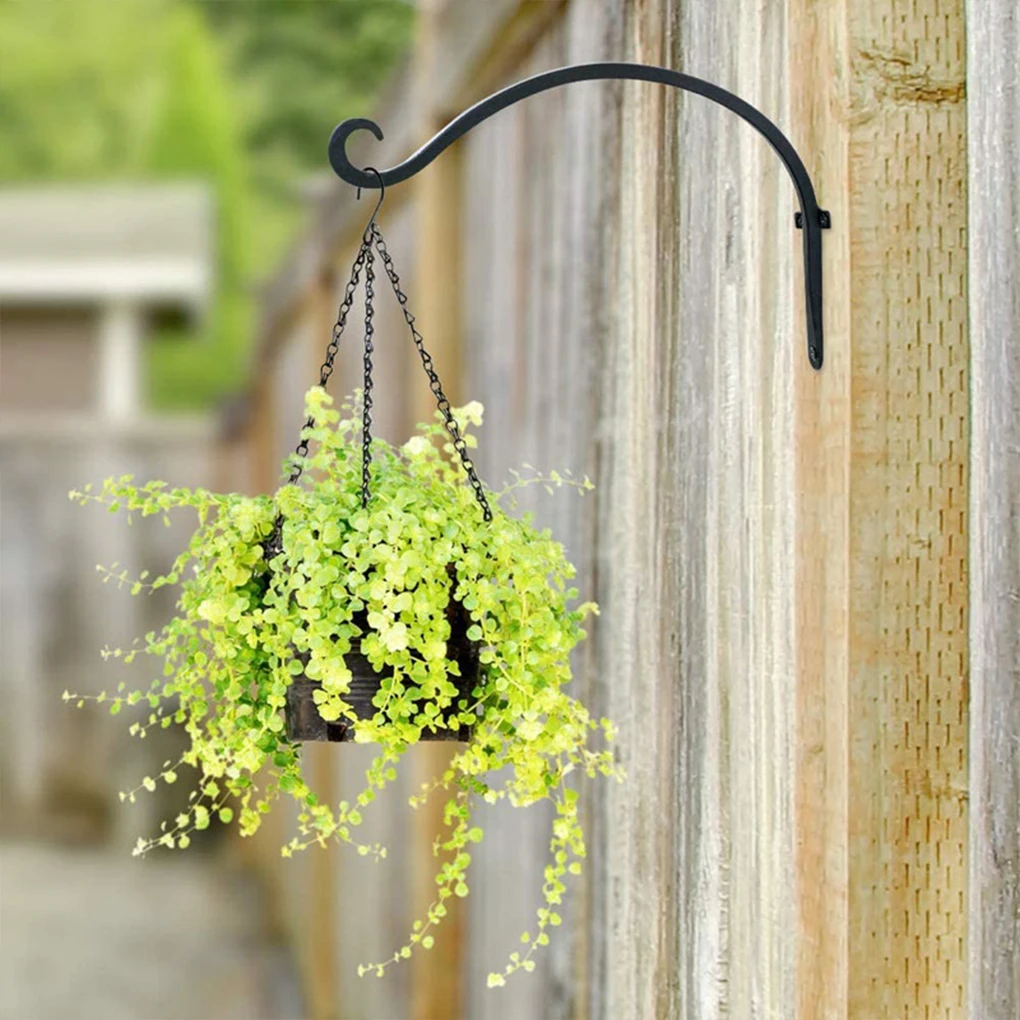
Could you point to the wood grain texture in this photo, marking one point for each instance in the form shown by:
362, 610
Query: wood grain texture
636, 691
993, 112
821, 493
736, 348
908, 507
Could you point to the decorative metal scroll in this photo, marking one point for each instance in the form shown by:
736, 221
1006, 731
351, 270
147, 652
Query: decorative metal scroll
812, 219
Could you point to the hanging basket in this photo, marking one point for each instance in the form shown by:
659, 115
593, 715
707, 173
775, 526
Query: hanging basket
302, 714
303, 721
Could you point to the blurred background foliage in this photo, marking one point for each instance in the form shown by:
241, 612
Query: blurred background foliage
240, 93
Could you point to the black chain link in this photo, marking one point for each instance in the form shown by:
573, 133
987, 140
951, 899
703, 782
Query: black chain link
364, 253
273, 545
459, 443
366, 406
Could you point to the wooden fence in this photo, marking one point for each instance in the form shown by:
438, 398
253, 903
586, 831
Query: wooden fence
821, 816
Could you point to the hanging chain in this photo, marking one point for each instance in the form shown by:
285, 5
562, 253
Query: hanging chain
365, 261
364, 253
366, 406
459, 443
273, 545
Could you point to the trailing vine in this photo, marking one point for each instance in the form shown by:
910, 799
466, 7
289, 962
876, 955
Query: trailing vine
246, 625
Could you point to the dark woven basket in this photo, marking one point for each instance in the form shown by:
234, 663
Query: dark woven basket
302, 715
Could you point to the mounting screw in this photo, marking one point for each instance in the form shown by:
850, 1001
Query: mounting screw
824, 219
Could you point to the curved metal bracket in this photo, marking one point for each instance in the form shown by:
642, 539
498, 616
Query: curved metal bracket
811, 218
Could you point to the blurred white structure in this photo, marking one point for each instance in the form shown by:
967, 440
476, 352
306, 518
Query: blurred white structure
81, 268
84, 273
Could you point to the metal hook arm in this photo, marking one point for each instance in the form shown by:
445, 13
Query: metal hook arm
811, 218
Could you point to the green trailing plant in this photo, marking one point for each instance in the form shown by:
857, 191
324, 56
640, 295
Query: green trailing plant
245, 627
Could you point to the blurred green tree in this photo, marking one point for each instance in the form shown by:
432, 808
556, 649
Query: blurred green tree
76, 87
304, 65
196, 131
242, 94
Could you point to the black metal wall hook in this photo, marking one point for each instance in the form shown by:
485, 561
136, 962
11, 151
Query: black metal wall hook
811, 218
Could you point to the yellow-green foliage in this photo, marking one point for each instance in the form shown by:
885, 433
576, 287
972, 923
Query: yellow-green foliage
231, 650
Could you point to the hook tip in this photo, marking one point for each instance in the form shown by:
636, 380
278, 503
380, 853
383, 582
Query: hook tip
382, 192
337, 149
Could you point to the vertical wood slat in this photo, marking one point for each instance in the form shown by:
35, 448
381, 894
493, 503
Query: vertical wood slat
993, 124
761, 274
882, 483
908, 497
595, 30
701, 826
818, 44
730, 499
527, 261
289, 379
506, 876
556, 165
635, 691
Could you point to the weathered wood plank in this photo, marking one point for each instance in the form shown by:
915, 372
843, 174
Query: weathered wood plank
908, 500
760, 256
733, 407
817, 47
993, 126
701, 839
637, 692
